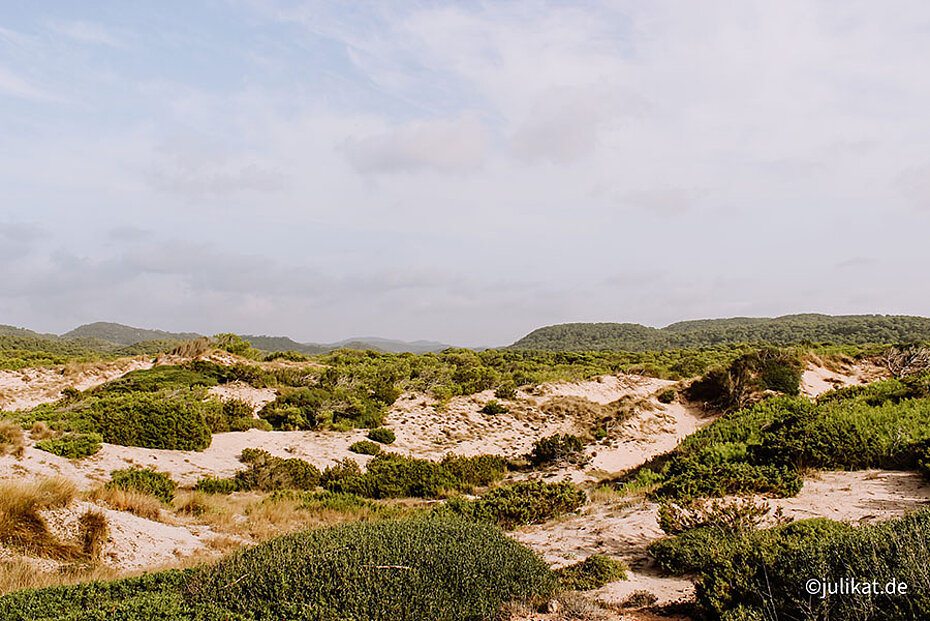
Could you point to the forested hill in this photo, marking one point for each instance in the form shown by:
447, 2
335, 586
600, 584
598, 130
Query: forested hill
787, 330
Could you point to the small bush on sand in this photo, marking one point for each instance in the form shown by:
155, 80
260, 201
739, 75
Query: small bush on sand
526, 502
494, 407
22, 526
72, 445
474, 471
267, 473
146, 480
591, 573
138, 503
215, 485
667, 396
556, 448
382, 435
364, 447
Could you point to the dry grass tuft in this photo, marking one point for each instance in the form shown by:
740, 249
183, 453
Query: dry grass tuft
41, 431
11, 439
94, 530
21, 525
136, 502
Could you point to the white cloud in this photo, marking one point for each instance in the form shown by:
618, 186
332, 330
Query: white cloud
88, 32
447, 146
15, 85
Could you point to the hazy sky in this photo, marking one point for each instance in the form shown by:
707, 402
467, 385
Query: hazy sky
463, 172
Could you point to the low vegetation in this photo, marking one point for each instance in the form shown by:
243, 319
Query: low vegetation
406, 570
144, 480
591, 573
382, 435
72, 445
519, 504
365, 447
11, 439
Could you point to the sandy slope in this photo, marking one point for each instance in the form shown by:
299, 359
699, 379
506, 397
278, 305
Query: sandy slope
27, 388
817, 379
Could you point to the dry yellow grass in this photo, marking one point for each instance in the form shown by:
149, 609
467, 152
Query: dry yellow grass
136, 502
21, 525
41, 431
11, 439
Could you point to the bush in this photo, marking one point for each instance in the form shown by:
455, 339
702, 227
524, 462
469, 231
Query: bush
526, 502
478, 470
152, 422
591, 573
382, 435
213, 485
507, 390
72, 445
667, 396
364, 447
556, 448
145, 480
246, 423
493, 407
268, 473
394, 476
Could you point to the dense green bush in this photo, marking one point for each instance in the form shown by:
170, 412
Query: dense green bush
591, 573
518, 504
266, 472
166, 377
215, 485
382, 435
506, 390
72, 445
145, 420
474, 471
144, 480
390, 475
493, 407
364, 447
403, 570
764, 574
556, 448
741, 382
667, 396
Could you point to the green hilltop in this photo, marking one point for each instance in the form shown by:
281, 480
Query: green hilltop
785, 330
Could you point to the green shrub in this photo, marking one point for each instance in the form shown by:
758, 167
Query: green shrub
518, 504
144, 480
667, 396
591, 573
72, 445
556, 448
390, 475
494, 407
382, 435
343, 469
268, 473
364, 447
477, 470
214, 485
246, 423
407, 570
507, 390
140, 419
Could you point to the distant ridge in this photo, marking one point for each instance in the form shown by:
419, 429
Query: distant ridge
120, 334
785, 330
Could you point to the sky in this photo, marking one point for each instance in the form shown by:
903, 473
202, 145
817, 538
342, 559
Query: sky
460, 171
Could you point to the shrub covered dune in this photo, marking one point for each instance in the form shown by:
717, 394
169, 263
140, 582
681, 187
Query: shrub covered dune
439, 569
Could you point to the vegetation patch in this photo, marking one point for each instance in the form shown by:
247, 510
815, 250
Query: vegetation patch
493, 407
555, 449
11, 439
364, 447
145, 480
519, 504
591, 573
72, 445
404, 570
382, 435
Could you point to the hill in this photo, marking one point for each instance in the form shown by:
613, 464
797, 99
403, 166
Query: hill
283, 343
120, 334
785, 330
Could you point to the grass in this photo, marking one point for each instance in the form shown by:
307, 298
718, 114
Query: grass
134, 501
21, 525
12, 439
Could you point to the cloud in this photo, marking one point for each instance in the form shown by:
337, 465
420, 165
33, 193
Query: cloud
15, 85
440, 145
87, 32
